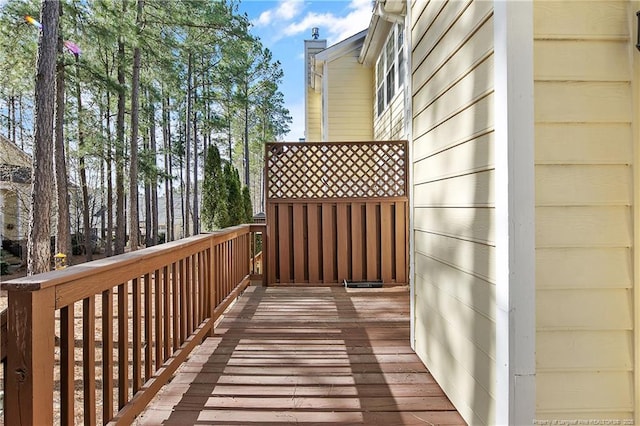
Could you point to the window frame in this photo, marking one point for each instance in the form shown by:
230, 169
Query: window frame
390, 65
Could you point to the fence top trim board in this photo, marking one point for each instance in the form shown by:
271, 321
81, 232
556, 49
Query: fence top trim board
140, 261
336, 170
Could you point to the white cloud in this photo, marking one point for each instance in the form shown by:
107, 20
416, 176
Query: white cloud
337, 27
286, 10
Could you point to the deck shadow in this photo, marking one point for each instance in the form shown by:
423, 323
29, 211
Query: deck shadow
314, 355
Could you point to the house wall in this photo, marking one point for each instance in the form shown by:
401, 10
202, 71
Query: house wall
584, 224
12, 219
350, 100
313, 116
390, 125
453, 177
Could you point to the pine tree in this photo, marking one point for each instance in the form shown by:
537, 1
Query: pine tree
235, 206
214, 206
248, 208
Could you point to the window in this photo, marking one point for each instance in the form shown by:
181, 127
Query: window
401, 61
390, 68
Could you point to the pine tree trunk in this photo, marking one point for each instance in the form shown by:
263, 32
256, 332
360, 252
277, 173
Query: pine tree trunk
63, 227
147, 201
196, 209
154, 175
187, 172
86, 211
21, 106
119, 152
246, 137
168, 183
133, 151
38, 243
12, 113
109, 238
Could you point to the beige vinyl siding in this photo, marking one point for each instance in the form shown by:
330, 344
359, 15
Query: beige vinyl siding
350, 99
453, 175
390, 125
11, 214
313, 116
584, 225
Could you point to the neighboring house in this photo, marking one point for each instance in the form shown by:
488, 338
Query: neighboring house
338, 94
524, 125
15, 184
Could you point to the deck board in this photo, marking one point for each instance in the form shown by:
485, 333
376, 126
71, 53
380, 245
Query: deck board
296, 355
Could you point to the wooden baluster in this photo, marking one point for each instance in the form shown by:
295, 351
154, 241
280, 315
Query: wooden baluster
188, 295
211, 282
89, 359
201, 287
157, 319
107, 355
30, 357
219, 276
167, 313
175, 299
67, 365
183, 302
123, 345
137, 335
148, 337
196, 295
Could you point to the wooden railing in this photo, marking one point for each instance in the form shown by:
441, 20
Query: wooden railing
109, 334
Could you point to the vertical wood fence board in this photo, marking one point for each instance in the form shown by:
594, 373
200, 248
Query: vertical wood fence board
343, 237
386, 242
372, 241
299, 243
357, 242
284, 237
401, 246
272, 237
314, 241
328, 243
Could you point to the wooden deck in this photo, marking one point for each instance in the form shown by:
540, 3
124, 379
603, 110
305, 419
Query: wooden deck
322, 355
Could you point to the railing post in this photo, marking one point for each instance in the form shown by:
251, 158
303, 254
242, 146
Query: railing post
30, 357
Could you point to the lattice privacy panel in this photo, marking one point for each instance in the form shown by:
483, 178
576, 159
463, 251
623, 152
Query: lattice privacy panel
307, 170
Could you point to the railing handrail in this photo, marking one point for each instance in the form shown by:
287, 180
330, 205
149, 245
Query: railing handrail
78, 272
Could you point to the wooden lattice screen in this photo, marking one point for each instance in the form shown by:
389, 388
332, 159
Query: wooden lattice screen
336, 211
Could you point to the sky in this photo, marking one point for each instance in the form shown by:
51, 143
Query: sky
283, 25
